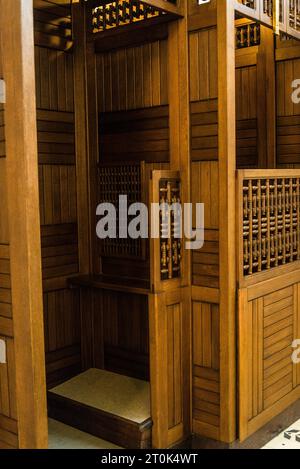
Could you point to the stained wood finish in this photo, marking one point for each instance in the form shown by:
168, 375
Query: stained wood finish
169, 371
103, 425
141, 135
133, 78
268, 324
206, 369
52, 24
8, 410
109, 340
288, 113
246, 115
23, 377
54, 71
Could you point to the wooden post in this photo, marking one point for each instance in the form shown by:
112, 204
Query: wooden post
24, 220
266, 96
180, 115
81, 119
227, 166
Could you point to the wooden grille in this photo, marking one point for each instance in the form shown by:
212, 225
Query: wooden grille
271, 222
294, 14
121, 13
247, 35
286, 19
170, 246
116, 180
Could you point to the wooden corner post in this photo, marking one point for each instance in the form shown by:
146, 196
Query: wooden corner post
24, 221
227, 167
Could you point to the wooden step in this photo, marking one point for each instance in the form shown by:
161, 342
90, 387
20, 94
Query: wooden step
107, 405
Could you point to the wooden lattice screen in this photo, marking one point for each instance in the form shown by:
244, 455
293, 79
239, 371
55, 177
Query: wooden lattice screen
247, 35
283, 15
270, 220
170, 246
117, 13
113, 181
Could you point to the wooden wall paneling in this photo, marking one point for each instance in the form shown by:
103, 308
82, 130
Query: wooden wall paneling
204, 129
206, 366
52, 24
179, 116
266, 99
268, 324
8, 403
126, 343
137, 135
82, 152
62, 335
23, 213
133, 78
246, 114
287, 70
227, 165
170, 326
60, 156
93, 157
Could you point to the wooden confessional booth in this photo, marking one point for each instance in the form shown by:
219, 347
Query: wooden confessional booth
147, 343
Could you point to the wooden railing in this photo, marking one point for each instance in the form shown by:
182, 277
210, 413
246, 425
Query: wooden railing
268, 223
283, 15
113, 14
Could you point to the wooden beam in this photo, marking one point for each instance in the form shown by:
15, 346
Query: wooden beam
227, 166
24, 221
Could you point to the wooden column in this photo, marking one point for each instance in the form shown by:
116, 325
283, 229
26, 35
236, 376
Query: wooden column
81, 119
24, 220
227, 165
266, 100
179, 108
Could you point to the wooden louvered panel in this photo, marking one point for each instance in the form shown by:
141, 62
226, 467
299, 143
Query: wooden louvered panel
269, 323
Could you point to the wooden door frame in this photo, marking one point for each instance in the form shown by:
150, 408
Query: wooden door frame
16, 18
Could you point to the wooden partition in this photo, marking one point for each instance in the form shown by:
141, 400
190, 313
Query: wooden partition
8, 406
57, 186
269, 276
23, 422
288, 112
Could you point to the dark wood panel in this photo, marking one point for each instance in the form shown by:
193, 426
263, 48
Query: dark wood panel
141, 135
118, 430
62, 335
247, 143
288, 140
52, 24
